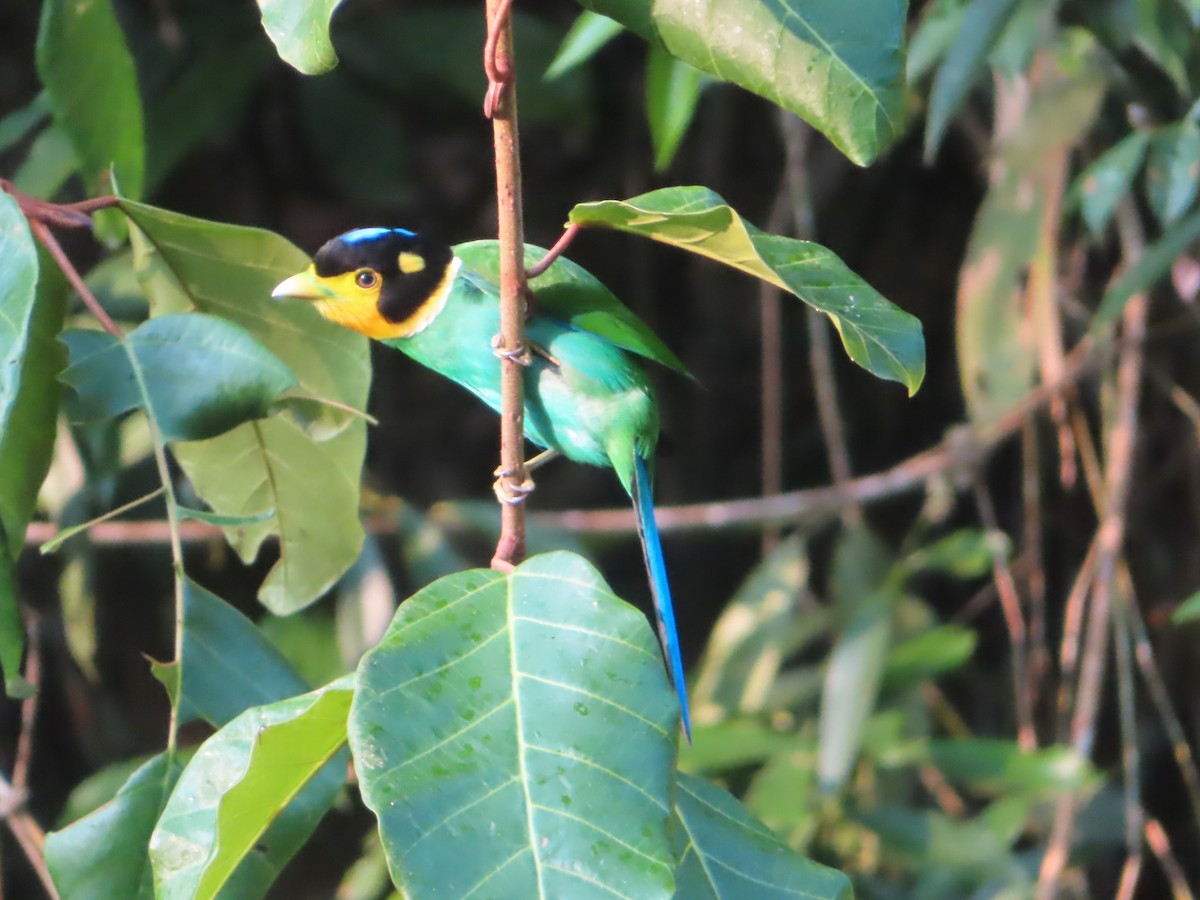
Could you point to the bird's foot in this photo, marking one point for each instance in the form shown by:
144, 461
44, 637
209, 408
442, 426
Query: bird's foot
510, 491
519, 354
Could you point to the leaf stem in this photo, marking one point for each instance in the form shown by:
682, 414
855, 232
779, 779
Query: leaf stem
42, 232
501, 105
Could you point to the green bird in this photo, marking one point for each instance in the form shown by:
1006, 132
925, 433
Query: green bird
586, 395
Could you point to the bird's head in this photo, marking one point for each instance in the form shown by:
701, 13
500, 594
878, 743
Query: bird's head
382, 282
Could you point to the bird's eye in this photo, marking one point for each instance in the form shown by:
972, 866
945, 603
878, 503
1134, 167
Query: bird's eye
366, 278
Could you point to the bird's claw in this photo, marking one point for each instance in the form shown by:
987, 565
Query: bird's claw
510, 492
519, 354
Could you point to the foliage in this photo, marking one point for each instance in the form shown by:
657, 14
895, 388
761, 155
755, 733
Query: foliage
514, 733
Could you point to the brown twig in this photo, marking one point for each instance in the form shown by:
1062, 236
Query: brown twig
501, 107
1014, 620
50, 242
27, 832
1160, 845
554, 252
1110, 539
29, 706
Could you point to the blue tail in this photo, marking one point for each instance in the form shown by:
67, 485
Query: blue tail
643, 505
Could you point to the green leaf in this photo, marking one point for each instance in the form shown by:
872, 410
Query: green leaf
966, 554
838, 67
879, 336
573, 295
251, 797
1173, 170
103, 855
941, 21
1103, 184
1188, 610
1153, 265
732, 744
724, 852
197, 376
998, 768
30, 361
19, 123
929, 840
299, 29
212, 518
12, 629
672, 93
226, 664
928, 654
89, 75
981, 26
515, 735
312, 485
748, 645
587, 35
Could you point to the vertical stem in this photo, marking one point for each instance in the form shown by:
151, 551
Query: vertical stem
506, 140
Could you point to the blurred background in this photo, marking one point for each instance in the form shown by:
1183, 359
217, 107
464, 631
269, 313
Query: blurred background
394, 136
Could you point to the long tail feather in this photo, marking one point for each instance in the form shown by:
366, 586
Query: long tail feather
656, 567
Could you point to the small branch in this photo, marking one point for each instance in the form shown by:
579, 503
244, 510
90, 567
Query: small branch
27, 832
554, 252
50, 242
1160, 845
1014, 620
1110, 538
29, 706
501, 107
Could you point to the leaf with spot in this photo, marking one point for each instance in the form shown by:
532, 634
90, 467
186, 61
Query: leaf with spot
299, 29
876, 334
514, 733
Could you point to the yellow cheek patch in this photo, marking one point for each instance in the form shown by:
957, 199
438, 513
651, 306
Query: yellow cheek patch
411, 263
358, 308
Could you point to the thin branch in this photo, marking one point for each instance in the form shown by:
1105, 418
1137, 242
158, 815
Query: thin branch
1160, 845
1135, 814
50, 242
501, 106
1014, 620
554, 252
27, 832
29, 706
1110, 538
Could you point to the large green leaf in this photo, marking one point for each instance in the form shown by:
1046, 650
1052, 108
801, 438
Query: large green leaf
573, 295
837, 65
299, 29
226, 664
103, 855
311, 485
724, 852
89, 74
879, 336
250, 798
197, 376
588, 34
515, 734
31, 314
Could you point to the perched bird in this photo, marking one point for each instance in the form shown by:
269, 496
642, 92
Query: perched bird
586, 396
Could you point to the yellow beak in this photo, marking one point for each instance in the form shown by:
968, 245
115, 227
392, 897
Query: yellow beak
302, 286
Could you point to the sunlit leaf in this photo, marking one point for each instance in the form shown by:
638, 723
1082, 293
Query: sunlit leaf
879, 336
928, 654
723, 852
515, 736
103, 855
299, 29
837, 66
998, 767
1187, 611
250, 797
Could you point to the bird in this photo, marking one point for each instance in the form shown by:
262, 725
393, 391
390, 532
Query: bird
587, 397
